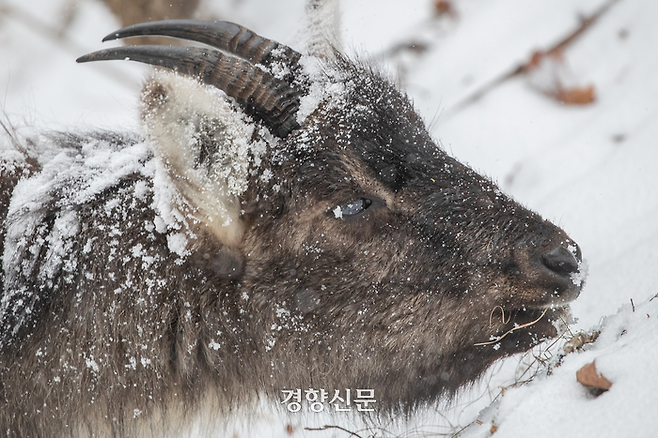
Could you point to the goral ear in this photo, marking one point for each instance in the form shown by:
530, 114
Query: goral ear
203, 144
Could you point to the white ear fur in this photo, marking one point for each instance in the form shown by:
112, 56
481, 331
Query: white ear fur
203, 144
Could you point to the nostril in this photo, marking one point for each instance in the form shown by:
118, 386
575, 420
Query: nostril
561, 261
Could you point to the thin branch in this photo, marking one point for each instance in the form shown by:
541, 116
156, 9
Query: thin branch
58, 33
513, 329
585, 24
327, 426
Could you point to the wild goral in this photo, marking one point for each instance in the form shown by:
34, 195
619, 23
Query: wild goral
284, 221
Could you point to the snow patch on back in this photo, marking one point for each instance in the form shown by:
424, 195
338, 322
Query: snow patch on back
43, 223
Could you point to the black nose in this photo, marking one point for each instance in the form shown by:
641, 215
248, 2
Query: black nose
561, 261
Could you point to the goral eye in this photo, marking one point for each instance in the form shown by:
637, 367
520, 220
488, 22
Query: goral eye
355, 208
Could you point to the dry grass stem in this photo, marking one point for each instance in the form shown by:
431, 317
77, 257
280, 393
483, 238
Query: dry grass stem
503, 315
513, 329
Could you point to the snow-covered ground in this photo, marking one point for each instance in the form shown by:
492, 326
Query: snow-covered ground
593, 169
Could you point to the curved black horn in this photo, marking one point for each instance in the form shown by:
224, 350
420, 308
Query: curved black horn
262, 95
223, 35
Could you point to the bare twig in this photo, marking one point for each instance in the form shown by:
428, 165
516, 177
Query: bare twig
328, 426
585, 23
41, 27
58, 33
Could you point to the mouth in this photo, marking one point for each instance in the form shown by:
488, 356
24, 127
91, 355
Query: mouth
524, 328
542, 285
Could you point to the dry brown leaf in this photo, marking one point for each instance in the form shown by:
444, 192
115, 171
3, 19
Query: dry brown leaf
590, 377
443, 7
576, 96
540, 56
579, 340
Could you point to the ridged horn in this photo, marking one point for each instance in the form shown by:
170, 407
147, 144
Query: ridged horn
222, 35
261, 94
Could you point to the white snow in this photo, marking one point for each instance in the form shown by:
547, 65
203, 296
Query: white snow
593, 169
